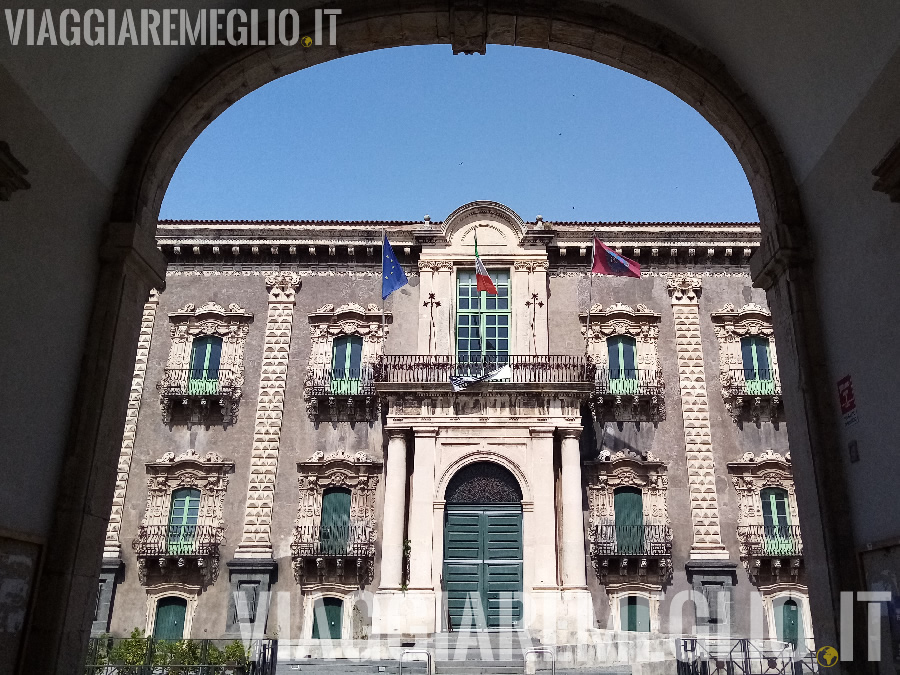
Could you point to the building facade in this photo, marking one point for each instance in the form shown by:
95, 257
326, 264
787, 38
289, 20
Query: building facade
304, 460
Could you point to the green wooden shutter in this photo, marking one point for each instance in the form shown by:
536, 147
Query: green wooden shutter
635, 614
346, 365
503, 565
790, 623
169, 622
776, 521
334, 530
183, 515
206, 356
758, 374
629, 508
621, 351
327, 618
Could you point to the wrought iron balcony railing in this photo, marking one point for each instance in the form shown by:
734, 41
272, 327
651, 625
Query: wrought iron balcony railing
356, 540
191, 383
340, 381
631, 540
771, 541
744, 382
183, 541
629, 382
530, 369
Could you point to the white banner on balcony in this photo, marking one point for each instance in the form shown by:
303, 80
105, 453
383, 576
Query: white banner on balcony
461, 382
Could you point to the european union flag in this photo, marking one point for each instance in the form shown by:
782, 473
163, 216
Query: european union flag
392, 275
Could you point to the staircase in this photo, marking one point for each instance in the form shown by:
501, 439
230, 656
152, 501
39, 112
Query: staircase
481, 653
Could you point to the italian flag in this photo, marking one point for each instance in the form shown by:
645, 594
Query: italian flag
481, 275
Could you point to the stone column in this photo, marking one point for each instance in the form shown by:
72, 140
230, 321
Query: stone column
573, 570
426, 286
420, 508
113, 547
707, 540
444, 340
257, 541
394, 511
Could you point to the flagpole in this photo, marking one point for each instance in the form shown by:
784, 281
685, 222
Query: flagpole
383, 300
587, 331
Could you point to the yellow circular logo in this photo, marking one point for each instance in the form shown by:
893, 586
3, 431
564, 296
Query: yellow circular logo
827, 656
306, 41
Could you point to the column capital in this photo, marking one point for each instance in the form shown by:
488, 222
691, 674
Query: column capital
425, 432
541, 432
684, 289
570, 432
396, 432
282, 286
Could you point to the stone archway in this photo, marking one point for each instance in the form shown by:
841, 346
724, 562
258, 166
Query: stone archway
606, 34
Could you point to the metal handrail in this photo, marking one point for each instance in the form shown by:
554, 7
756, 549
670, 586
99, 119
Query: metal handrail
747, 382
196, 382
630, 382
635, 540
529, 369
541, 650
428, 664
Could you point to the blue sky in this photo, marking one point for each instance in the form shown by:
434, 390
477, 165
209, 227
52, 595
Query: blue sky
400, 133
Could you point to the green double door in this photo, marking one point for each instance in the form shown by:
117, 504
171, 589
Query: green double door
483, 565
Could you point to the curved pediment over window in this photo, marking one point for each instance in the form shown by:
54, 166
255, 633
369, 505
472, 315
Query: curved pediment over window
497, 224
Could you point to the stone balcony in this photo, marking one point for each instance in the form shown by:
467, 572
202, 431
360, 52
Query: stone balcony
631, 552
629, 395
341, 394
752, 396
771, 553
335, 553
169, 549
196, 397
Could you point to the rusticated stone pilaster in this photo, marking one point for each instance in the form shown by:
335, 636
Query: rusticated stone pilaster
256, 541
685, 291
113, 547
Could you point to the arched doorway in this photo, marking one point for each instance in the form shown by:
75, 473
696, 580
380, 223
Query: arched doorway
483, 548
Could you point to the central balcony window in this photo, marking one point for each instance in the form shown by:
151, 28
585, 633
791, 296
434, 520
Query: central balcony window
483, 322
346, 373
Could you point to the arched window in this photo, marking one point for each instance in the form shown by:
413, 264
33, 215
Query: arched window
634, 613
622, 352
206, 354
628, 504
327, 619
334, 528
346, 364
183, 515
169, 622
758, 375
776, 521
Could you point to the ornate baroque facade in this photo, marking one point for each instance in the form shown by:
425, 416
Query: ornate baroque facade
597, 445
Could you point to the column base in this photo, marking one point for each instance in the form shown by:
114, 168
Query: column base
400, 613
716, 552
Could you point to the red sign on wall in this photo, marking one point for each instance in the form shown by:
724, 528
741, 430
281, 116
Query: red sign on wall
847, 401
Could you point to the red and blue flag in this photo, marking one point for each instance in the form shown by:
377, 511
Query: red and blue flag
607, 261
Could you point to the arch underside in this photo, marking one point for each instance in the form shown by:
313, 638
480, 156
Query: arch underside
608, 35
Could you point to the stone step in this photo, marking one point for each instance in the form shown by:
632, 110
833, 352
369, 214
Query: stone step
348, 666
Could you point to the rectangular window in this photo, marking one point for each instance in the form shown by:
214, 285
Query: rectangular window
758, 375
623, 375
183, 516
483, 323
346, 365
776, 522
206, 355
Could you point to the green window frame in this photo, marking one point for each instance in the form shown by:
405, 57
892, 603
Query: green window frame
776, 514
184, 513
334, 526
206, 356
623, 375
634, 613
757, 363
483, 322
346, 365
628, 505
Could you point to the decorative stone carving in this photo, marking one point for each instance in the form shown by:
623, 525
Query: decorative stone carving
781, 550
153, 545
113, 547
646, 399
256, 540
358, 472
731, 325
187, 324
324, 402
649, 475
12, 174
685, 292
